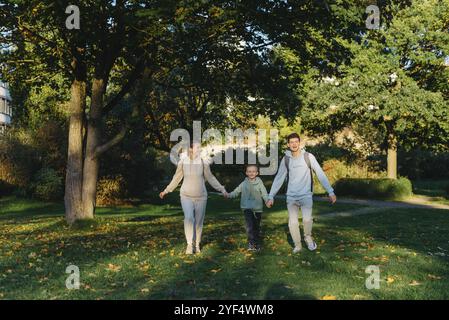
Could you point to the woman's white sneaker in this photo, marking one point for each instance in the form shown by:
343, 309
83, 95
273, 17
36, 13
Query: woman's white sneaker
297, 249
189, 249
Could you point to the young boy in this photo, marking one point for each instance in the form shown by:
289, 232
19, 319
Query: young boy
253, 192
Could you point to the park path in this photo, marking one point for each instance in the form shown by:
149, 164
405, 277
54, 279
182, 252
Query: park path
373, 206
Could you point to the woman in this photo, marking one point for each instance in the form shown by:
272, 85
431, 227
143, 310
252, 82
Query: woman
193, 193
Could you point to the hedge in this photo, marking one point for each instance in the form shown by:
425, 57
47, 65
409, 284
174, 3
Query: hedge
384, 188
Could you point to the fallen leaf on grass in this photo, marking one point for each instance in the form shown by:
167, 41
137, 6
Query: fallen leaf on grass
32, 255
215, 270
414, 283
114, 268
144, 267
433, 277
328, 297
390, 280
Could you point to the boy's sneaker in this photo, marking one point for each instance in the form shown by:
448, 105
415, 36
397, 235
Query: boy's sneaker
297, 249
311, 245
251, 247
197, 249
189, 249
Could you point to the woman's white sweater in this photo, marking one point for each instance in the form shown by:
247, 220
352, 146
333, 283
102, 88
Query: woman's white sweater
194, 172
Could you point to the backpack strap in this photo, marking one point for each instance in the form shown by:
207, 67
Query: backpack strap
307, 159
287, 165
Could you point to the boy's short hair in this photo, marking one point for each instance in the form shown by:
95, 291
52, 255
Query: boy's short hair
293, 135
252, 165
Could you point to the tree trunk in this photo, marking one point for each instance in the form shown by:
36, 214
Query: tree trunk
91, 161
74, 170
392, 156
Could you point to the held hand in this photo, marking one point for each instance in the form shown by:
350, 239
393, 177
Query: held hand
225, 194
269, 203
162, 194
333, 199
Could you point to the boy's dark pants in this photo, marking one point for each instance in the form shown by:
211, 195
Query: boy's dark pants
252, 225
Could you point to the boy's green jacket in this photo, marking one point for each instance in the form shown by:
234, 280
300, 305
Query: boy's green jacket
252, 194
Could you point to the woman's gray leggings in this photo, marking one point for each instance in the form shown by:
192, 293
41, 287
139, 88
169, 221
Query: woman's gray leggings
194, 211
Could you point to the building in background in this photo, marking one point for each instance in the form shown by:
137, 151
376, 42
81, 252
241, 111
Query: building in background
5, 107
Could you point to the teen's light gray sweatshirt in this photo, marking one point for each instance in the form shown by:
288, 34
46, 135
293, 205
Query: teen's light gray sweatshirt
299, 184
194, 173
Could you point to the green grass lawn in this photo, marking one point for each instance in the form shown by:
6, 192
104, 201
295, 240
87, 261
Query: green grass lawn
137, 253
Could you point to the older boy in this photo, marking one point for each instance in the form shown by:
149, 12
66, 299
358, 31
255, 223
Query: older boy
297, 165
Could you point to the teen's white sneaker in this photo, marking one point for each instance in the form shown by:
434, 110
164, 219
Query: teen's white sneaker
189, 249
311, 245
297, 249
197, 249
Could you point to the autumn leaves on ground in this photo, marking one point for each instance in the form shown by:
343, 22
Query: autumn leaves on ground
137, 253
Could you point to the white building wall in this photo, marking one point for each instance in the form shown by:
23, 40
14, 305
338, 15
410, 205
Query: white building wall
5, 107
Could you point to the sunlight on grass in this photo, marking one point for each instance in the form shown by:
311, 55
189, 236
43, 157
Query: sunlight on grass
137, 253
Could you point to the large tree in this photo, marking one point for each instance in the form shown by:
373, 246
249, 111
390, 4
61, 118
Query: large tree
100, 63
393, 83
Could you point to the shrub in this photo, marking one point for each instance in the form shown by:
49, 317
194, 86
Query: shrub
338, 169
19, 161
25, 151
374, 188
111, 190
5, 188
47, 185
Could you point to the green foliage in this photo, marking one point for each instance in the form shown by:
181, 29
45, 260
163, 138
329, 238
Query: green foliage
47, 185
392, 80
19, 160
26, 150
111, 190
325, 151
374, 188
134, 159
419, 163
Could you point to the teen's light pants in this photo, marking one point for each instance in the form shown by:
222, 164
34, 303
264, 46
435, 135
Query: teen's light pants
194, 211
293, 207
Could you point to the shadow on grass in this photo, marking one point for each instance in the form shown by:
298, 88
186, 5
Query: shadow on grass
281, 290
224, 270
